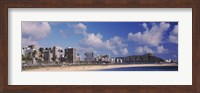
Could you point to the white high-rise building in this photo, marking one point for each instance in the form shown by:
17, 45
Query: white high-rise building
56, 53
103, 58
28, 51
89, 56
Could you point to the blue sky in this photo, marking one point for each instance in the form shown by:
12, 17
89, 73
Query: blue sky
114, 38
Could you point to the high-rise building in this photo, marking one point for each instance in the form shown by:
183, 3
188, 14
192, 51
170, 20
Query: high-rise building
78, 58
48, 55
89, 56
70, 54
103, 58
28, 51
56, 53
32, 46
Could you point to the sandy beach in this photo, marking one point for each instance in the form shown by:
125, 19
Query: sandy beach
94, 67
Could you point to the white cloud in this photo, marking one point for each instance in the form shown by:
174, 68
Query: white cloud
143, 50
118, 41
80, 28
124, 51
146, 49
116, 45
161, 50
145, 26
151, 36
114, 42
173, 37
91, 40
36, 30
33, 31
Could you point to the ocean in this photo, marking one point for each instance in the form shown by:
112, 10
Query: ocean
149, 68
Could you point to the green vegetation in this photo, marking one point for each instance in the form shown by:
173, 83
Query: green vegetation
28, 58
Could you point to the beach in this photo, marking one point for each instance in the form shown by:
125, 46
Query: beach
110, 67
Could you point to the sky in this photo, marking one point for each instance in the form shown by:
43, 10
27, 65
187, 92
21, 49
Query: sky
114, 38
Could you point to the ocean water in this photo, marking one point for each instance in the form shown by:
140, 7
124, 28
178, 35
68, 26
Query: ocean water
149, 68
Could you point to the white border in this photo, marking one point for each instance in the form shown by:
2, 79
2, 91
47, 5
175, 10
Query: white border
181, 77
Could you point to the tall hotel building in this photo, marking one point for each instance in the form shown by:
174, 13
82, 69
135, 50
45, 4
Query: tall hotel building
89, 56
70, 54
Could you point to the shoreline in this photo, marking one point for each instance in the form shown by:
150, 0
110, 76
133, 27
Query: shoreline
94, 67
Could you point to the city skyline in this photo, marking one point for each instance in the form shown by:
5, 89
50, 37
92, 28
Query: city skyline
114, 38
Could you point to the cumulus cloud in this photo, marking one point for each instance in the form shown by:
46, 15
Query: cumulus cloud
124, 51
33, 31
80, 28
145, 26
36, 30
151, 36
173, 37
161, 50
91, 40
116, 44
143, 50
118, 41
